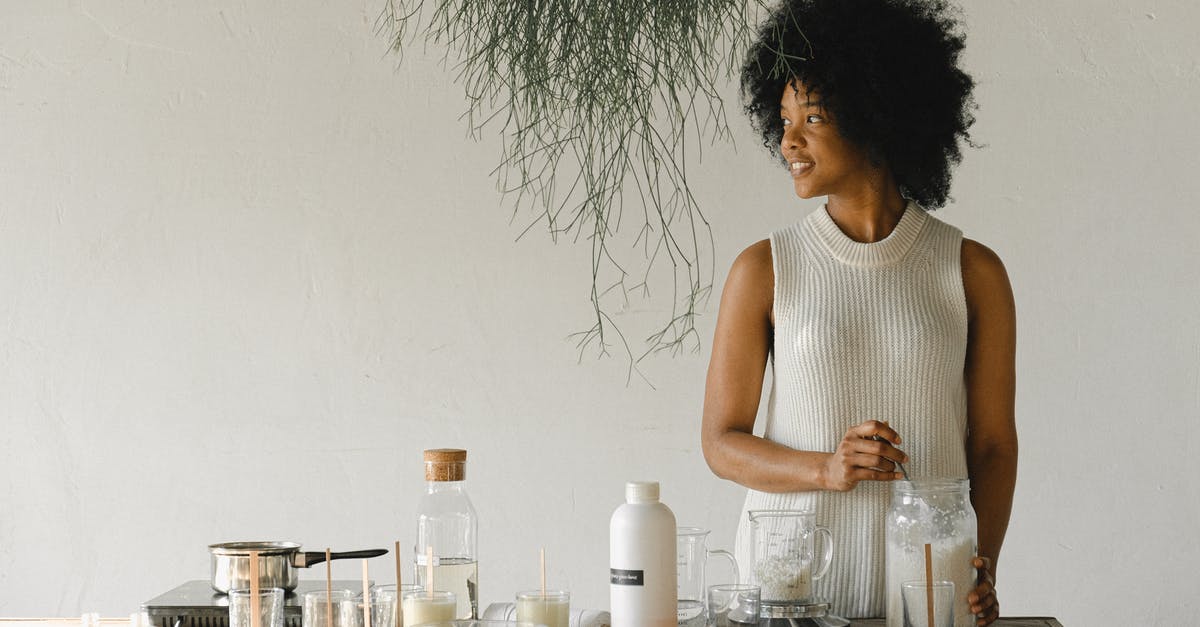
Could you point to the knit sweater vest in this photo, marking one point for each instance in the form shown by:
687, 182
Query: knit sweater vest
864, 331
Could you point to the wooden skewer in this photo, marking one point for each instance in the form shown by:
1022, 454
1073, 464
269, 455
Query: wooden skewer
429, 570
542, 559
366, 596
928, 582
399, 568
255, 602
328, 588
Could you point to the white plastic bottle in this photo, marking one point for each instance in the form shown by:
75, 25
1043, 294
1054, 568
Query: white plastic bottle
641, 558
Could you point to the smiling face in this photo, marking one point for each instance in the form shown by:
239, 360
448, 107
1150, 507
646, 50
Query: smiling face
822, 162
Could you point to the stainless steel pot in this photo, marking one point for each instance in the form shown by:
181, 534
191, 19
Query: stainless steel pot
277, 563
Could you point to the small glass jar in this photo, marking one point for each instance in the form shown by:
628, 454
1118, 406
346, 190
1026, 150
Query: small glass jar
936, 512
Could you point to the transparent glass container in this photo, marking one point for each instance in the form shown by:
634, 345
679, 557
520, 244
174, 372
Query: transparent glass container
936, 512
448, 526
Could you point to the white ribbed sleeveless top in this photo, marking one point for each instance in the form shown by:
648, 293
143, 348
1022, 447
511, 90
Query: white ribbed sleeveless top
864, 331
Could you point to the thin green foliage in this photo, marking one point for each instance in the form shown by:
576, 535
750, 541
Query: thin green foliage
597, 100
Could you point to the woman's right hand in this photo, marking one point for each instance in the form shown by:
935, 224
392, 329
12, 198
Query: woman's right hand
860, 456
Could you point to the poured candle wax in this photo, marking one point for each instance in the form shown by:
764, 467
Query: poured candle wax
551, 609
420, 608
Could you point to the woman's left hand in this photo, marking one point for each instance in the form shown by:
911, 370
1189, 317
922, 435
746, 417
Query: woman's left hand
983, 601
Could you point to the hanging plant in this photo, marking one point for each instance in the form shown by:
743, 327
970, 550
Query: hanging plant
596, 102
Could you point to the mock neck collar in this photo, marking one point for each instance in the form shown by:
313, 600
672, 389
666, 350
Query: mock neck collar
886, 251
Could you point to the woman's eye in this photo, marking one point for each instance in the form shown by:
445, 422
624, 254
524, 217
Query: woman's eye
786, 121
813, 119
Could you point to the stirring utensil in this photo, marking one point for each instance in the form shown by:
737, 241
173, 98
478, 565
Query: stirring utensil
898, 464
928, 583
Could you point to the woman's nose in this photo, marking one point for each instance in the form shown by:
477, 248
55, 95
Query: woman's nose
792, 138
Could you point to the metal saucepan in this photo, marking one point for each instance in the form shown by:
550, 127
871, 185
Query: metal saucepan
277, 563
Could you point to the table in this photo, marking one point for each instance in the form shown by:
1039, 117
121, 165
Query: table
1002, 622
124, 622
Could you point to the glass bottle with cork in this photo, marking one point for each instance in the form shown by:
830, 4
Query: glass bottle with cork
447, 524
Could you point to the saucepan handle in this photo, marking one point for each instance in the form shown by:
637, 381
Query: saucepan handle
308, 558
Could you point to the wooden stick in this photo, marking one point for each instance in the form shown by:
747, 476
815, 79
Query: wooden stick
328, 588
255, 602
429, 570
542, 559
399, 568
366, 596
928, 582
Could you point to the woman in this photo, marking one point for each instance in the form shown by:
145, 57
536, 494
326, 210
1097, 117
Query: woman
890, 337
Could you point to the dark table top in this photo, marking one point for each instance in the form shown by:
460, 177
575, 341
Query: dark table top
1002, 622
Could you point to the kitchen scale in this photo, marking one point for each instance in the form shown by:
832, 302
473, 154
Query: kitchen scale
196, 604
810, 613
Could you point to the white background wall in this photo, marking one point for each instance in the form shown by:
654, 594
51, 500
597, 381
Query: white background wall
249, 269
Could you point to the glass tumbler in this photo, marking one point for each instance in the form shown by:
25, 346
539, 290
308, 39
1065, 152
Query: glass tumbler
270, 601
340, 611
430, 606
405, 588
550, 608
467, 622
916, 603
733, 605
383, 606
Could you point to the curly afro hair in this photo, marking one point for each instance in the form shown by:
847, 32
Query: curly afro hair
886, 70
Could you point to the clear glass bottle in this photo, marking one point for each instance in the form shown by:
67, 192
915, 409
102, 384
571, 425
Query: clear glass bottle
447, 524
937, 512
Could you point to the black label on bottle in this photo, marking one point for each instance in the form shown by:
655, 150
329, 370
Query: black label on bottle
625, 577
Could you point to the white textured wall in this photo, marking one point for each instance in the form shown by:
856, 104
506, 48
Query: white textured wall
249, 268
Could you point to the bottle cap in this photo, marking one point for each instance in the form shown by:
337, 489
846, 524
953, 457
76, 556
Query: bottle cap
445, 464
641, 492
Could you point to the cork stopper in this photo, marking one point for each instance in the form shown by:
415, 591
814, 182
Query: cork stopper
445, 464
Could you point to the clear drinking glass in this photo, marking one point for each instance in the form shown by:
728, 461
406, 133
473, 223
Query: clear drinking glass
384, 608
733, 605
399, 595
430, 606
916, 603
551, 608
478, 623
270, 607
341, 610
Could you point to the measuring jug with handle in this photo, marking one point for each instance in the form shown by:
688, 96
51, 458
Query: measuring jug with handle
785, 558
691, 560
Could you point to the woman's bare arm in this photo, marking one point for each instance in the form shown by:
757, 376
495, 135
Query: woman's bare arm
741, 346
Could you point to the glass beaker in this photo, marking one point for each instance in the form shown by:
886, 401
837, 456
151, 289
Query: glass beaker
936, 512
691, 560
786, 561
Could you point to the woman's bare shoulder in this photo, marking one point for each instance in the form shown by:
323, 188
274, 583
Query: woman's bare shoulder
751, 280
985, 278
755, 265
756, 257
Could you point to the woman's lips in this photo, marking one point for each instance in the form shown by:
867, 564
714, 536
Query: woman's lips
800, 168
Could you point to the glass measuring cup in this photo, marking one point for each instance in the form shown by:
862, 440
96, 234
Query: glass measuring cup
785, 558
691, 560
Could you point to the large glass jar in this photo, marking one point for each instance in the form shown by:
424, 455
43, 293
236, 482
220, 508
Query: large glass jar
937, 512
447, 528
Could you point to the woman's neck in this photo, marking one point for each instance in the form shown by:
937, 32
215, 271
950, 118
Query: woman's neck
869, 214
